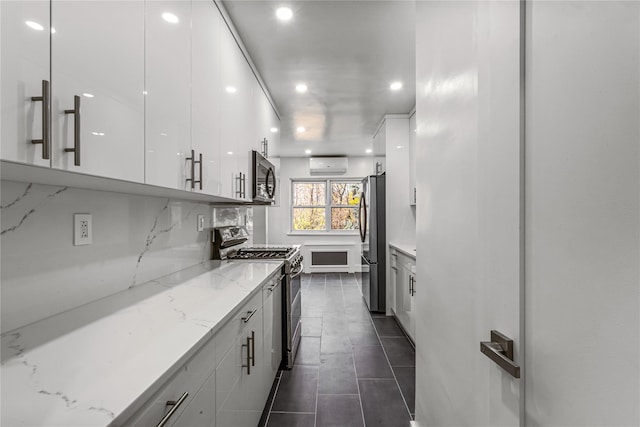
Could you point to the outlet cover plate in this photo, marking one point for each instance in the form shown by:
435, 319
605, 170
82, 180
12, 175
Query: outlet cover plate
200, 222
82, 229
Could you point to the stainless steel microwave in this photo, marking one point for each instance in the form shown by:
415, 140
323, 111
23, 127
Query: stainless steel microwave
264, 179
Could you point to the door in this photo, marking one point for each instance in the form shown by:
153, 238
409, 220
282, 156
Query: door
582, 229
557, 193
469, 217
24, 65
97, 84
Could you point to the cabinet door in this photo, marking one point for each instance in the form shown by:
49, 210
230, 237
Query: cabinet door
201, 411
272, 307
241, 404
205, 101
412, 162
168, 93
24, 64
97, 67
236, 132
393, 276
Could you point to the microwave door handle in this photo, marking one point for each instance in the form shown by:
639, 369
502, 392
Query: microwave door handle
271, 173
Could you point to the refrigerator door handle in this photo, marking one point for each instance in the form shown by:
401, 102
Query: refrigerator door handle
362, 217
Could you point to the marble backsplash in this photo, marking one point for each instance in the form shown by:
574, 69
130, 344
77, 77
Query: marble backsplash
135, 239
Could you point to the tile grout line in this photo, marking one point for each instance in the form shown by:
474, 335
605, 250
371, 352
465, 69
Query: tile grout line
392, 371
315, 418
353, 358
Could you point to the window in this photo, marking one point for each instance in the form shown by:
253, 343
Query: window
327, 205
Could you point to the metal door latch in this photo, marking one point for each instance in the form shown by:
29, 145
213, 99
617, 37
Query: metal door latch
500, 350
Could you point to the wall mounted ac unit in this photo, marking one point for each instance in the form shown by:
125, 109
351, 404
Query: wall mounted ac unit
327, 165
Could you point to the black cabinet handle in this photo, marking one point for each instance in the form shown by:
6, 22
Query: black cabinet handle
76, 131
46, 128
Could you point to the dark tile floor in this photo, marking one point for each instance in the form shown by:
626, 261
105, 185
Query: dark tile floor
353, 369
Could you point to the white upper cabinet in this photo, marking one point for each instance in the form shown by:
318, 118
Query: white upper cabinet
237, 119
267, 123
168, 94
206, 104
97, 102
412, 161
24, 65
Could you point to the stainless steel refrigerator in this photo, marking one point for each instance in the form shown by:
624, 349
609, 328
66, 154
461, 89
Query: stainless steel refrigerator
372, 234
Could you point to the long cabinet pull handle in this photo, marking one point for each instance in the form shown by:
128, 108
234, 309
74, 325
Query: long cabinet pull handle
251, 352
250, 315
199, 181
500, 350
46, 128
76, 131
192, 178
253, 348
175, 405
238, 180
244, 185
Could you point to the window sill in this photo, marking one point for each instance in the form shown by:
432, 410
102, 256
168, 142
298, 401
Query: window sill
322, 233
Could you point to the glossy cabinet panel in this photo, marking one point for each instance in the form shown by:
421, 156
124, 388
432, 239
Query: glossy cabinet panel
206, 104
24, 64
405, 289
97, 54
235, 90
412, 160
168, 93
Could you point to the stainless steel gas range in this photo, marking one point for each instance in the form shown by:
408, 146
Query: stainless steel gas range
230, 243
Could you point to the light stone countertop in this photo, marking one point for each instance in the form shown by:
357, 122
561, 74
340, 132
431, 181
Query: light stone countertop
406, 248
97, 364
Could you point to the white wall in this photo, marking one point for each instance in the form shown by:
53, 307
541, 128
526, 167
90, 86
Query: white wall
135, 239
279, 217
583, 214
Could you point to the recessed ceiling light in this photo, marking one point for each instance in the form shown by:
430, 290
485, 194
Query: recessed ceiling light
399, 146
301, 129
396, 86
34, 25
369, 151
274, 130
53, 30
307, 151
230, 153
301, 87
170, 18
97, 133
88, 95
284, 13
231, 89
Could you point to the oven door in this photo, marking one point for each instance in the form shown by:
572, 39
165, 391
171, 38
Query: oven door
264, 179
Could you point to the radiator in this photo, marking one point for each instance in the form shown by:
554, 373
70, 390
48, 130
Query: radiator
330, 258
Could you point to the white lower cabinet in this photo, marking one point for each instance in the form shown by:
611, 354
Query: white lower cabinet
227, 382
187, 382
404, 277
272, 308
201, 412
238, 389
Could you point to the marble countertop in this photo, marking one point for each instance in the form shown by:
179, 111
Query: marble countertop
98, 363
405, 248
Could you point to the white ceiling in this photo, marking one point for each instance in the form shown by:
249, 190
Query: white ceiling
347, 52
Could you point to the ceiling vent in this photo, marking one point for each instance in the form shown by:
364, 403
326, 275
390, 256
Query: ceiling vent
327, 165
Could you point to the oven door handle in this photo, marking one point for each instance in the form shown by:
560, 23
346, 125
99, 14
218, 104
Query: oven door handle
297, 272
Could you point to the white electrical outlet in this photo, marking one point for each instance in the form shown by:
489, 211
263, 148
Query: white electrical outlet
82, 229
200, 222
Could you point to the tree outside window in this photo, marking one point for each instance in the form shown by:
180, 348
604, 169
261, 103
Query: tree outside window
313, 207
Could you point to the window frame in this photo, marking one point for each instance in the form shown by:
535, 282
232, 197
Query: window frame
326, 206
